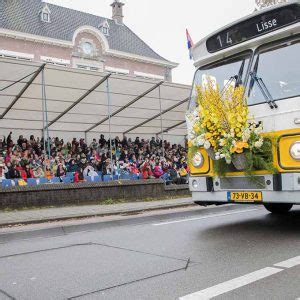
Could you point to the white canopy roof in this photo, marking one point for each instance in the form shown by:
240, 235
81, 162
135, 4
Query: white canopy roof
77, 101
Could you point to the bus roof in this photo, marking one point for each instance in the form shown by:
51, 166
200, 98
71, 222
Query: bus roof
202, 55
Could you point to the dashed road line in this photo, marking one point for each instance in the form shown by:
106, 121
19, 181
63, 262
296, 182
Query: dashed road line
292, 262
241, 281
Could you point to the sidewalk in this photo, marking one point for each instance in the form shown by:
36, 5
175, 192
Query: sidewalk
65, 213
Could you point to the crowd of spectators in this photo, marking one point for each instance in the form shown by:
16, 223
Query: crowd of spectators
27, 158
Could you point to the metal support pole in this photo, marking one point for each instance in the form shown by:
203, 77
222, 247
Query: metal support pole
161, 123
45, 118
109, 126
43, 112
85, 137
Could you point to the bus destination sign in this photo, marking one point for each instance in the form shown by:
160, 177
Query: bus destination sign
254, 27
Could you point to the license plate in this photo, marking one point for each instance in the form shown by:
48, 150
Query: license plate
245, 196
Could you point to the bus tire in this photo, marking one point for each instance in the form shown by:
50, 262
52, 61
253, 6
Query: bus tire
278, 208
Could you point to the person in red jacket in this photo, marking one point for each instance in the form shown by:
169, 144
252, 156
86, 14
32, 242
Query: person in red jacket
146, 171
134, 169
158, 171
26, 172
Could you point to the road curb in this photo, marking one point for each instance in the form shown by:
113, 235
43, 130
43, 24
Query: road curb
83, 216
137, 220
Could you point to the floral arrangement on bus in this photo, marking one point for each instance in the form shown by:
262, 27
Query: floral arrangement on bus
221, 124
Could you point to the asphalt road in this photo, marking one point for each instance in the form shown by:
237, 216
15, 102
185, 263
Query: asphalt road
240, 252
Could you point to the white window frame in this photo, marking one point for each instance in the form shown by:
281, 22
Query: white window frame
16, 55
45, 17
56, 61
148, 75
87, 67
117, 71
105, 30
104, 27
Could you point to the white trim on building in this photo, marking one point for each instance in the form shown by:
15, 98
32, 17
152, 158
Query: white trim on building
148, 75
16, 55
56, 61
117, 70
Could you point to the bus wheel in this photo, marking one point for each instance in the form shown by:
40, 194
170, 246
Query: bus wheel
278, 208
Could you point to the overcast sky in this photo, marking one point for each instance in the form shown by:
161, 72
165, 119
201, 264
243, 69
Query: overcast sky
162, 23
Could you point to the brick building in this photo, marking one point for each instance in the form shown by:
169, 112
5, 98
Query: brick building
39, 31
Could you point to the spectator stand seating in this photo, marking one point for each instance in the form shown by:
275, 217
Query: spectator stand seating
128, 162
6, 183
93, 178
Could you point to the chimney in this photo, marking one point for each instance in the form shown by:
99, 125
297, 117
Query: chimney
117, 11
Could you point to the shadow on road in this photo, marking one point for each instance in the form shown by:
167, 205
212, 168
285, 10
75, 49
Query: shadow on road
283, 226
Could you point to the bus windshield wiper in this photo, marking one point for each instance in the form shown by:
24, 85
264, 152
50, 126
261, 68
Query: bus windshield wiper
261, 85
240, 74
237, 78
264, 90
230, 80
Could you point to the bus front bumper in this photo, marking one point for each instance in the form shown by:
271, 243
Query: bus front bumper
279, 188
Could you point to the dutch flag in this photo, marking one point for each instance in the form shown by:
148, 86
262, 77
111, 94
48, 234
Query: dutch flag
189, 43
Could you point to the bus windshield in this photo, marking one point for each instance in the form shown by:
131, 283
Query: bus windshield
279, 68
230, 71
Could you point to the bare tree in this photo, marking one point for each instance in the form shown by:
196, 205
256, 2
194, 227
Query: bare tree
265, 3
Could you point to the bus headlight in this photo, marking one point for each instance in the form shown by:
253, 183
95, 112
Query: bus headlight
198, 160
295, 150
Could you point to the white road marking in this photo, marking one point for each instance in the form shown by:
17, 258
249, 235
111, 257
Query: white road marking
238, 282
292, 262
233, 284
205, 217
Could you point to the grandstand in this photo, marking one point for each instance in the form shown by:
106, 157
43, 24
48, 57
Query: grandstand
51, 101
38, 99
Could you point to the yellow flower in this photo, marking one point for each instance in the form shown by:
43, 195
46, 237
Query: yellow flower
208, 135
196, 128
239, 147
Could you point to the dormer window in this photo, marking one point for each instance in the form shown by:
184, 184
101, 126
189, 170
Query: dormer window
45, 17
105, 30
104, 27
45, 14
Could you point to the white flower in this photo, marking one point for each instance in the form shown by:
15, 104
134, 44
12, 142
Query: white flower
217, 157
228, 161
196, 112
200, 141
222, 155
259, 143
222, 142
207, 144
246, 135
259, 129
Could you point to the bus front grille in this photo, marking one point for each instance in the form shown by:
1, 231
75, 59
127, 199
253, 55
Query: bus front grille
242, 183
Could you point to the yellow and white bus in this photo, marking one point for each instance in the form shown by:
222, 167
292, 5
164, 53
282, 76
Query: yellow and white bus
261, 52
